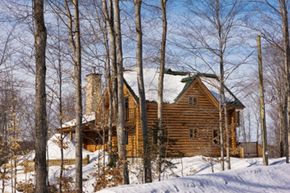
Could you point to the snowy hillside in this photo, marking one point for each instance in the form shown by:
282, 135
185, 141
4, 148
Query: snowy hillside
255, 179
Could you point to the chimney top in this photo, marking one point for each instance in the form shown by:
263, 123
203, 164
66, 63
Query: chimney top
94, 73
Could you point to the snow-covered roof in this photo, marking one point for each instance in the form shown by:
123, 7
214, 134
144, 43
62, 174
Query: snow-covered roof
86, 118
213, 86
54, 148
172, 84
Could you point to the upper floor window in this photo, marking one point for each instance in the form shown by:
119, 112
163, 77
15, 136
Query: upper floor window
126, 110
238, 118
192, 100
126, 138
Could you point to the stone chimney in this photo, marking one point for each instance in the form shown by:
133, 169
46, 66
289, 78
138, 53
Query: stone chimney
93, 91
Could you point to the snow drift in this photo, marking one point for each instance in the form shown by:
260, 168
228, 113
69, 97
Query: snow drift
251, 180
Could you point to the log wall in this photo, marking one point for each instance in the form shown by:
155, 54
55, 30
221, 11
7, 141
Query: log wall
189, 125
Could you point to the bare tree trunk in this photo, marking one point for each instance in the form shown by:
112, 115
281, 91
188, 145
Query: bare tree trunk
108, 11
60, 113
120, 121
227, 138
160, 90
78, 105
141, 88
40, 102
262, 104
110, 96
284, 14
112, 62
75, 43
221, 89
281, 128
15, 138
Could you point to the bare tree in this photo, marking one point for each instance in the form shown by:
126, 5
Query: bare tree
75, 42
285, 29
112, 85
262, 103
40, 102
141, 89
120, 118
160, 88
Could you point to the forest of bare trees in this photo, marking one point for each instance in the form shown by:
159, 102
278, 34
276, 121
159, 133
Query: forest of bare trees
48, 47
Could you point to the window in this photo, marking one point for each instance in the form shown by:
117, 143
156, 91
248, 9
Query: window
192, 101
192, 133
216, 136
126, 137
238, 118
126, 110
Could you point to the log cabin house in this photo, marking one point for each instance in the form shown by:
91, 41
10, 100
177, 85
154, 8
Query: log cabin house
190, 110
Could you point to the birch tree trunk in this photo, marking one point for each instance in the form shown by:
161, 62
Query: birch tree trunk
262, 104
160, 89
284, 15
40, 101
141, 89
120, 119
221, 89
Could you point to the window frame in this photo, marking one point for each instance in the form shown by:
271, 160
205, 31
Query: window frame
193, 133
192, 100
238, 118
217, 137
126, 108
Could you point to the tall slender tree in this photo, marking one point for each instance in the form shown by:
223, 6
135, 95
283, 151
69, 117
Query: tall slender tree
141, 89
120, 82
40, 94
111, 48
160, 88
78, 105
262, 104
285, 29
75, 42
59, 70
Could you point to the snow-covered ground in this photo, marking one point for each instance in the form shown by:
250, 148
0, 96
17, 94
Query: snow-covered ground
257, 179
192, 174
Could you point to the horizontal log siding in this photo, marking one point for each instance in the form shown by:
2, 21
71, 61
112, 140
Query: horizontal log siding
180, 117
131, 125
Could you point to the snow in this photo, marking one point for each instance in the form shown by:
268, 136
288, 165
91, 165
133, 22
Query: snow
251, 180
213, 86
86, 118
189, 174
53, 149
172, 84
